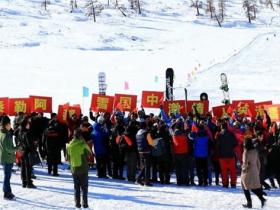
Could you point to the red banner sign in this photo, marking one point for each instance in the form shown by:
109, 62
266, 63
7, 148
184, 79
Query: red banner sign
63, 109
260, 107
125, 102
152, 99
4, 105
41, 104
244, 108
17, 105
221, 111
174, 107
273, 112
202, 107
102, 103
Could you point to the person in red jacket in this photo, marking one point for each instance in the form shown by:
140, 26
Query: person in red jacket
226, 143
181, 150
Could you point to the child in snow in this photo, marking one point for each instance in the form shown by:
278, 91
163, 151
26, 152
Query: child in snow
77, 153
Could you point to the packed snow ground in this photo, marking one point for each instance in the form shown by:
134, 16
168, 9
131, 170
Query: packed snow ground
55, 53
57, 193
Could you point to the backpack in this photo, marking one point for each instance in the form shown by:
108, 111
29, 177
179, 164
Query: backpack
157, 148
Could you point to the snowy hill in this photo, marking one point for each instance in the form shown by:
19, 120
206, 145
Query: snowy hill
67, 50
55, 53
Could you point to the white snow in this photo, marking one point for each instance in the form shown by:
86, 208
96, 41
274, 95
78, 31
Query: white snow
57, 193
55, 53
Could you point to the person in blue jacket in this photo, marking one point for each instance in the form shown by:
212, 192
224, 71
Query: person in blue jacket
100, 138
201, 152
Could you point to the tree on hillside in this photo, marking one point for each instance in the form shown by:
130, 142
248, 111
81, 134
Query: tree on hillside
136, 4
250, 9
94, 8
210, 7
198, 5
45, 3
222, 9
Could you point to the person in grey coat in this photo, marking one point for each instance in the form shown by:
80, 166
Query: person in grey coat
250, 174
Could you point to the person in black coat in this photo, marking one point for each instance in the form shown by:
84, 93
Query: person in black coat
52, 145
226, 143
27, 145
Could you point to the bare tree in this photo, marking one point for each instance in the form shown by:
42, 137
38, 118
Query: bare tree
222, 9
210, 7
136, 4
94, 8
250, 9
198, 5
45, 3
269, 3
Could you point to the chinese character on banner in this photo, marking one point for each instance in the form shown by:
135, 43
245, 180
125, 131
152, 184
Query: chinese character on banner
202, 107
64, 109
125, 102
41, 104
245, 108
152, 99
4, 105
174, 107
17, 105
221, 111
273, 112
102, 103
260, 107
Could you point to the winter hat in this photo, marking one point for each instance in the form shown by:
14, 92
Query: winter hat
5, 120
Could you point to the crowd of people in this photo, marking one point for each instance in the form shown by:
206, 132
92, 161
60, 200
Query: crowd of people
146, 149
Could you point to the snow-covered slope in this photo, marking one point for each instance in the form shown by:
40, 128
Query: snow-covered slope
55, 52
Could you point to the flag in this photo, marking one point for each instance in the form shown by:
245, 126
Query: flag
156, 79
125, 102
85, 92
102, 103
174, 107
152, 99
64, 109
273, 112
4, 105
260, 107
202, 107
126, 86
244, 108
17, 105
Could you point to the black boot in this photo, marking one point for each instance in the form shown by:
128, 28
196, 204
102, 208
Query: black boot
248, 198
248, 205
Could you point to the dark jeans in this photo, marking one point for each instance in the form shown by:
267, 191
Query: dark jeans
81, 184
145, 168
118, 164
161, 165
101, 163
182, 167
7, 169
217, 170
52, 167
202, 170
26, 170
131, 162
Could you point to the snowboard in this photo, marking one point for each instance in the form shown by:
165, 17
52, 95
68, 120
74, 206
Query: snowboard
224, 88
169, 76
102, 83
